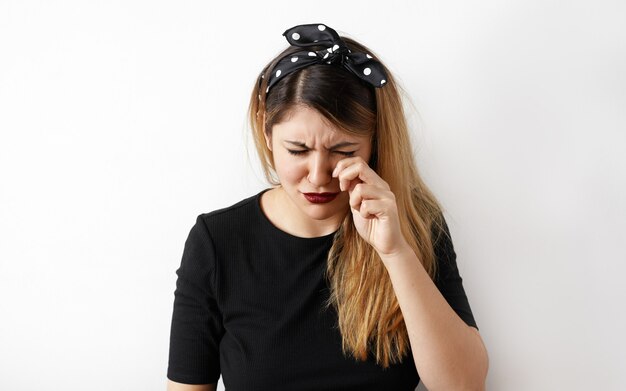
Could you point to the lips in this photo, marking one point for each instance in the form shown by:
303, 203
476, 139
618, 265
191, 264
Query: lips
319, 198
321, 194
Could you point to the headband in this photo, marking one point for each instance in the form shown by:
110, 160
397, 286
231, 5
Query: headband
364, 66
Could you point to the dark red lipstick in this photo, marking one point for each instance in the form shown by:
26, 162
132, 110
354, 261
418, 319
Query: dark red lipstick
320, 198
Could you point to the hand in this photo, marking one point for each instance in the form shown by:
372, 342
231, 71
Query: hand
373, 206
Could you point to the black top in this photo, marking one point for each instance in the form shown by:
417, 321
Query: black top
248, 305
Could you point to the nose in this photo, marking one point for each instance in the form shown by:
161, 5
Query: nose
320, 170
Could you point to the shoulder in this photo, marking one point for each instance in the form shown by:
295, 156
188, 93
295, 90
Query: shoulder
441, 237
240, 208
443, 247
230, 219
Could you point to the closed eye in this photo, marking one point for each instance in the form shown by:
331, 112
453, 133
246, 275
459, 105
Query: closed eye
293, 152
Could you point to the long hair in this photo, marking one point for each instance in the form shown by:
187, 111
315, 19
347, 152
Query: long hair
369, 316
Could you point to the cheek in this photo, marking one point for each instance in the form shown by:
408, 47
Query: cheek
290, 169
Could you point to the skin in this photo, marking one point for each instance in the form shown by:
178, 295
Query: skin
309, 172
175, 386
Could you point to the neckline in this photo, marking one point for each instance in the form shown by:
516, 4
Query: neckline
280, 231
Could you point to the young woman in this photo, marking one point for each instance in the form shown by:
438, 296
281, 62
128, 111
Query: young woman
342, 275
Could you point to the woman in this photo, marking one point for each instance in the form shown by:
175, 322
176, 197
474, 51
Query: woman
342, 276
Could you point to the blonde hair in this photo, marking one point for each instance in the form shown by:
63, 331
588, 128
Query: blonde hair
369, 316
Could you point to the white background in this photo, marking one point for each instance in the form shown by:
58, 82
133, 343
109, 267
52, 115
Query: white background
121, 121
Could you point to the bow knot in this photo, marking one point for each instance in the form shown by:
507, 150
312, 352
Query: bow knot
361, 65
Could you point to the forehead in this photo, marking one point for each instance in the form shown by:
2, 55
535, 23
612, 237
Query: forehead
304, 123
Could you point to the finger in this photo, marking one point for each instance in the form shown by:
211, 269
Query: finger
364, 191
372, 208
346, 162
341, 164
356, 172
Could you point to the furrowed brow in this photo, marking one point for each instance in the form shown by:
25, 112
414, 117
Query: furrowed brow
339, 145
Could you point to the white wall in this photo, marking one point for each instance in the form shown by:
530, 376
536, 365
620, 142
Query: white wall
121, 121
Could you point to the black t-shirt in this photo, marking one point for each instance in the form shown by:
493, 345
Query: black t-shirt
248, 305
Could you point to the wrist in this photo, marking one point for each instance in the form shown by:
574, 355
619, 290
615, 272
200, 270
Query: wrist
401, 252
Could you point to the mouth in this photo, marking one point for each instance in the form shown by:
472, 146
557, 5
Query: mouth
320, 198
321, 194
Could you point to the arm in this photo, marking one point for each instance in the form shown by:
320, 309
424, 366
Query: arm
196, 327
174, 386
448, 354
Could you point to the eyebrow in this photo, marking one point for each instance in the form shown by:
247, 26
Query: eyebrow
341, 144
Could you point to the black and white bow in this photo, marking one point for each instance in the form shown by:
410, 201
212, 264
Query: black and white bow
360, 64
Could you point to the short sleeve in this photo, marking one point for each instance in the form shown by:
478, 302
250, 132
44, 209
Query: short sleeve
448, 279
196, 328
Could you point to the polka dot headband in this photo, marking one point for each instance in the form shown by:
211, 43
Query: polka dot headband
360, 64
